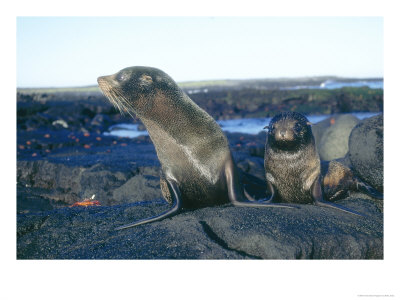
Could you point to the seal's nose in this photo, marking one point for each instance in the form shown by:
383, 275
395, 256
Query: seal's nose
282, 133
99, 79
104, 84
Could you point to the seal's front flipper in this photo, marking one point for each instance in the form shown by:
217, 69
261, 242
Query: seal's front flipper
316, 193
172, 194
236, 192
254, 187
270, 189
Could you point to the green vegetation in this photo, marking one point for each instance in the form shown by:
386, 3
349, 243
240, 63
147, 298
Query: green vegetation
227, 99
83, 89
246, 103
268, 83
205, 84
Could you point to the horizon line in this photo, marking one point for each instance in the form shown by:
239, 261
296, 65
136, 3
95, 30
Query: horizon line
217, 80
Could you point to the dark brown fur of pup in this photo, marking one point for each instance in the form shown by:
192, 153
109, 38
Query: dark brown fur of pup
293, 166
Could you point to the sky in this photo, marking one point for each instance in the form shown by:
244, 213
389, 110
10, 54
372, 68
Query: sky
74, 51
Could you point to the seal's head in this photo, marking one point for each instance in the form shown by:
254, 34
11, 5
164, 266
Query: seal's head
289, 131
134, 89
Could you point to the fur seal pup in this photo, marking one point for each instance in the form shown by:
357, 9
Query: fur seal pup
196, 162
293, 166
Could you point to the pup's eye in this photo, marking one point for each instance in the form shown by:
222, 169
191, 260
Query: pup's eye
298, 127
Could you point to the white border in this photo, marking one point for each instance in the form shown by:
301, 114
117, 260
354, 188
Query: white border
198, 279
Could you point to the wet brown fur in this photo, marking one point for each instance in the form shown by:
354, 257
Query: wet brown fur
294, 171
291, 161
197, 165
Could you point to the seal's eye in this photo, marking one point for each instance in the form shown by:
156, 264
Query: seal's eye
298, 127
121, 76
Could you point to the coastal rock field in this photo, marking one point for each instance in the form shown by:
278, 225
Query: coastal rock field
63, 158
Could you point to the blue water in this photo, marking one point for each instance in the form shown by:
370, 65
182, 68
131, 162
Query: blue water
125, 130
332, 84
255, 125
249, 126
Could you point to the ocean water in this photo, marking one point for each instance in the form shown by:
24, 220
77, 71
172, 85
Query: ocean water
332, 84
254, 126
125, 130
249, 126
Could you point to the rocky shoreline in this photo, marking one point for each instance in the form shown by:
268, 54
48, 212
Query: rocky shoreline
63, 158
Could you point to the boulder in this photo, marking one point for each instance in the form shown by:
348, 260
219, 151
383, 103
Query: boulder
334, 141
366, 151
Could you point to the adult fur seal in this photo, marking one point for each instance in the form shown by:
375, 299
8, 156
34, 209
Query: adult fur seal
196, 162
293, 166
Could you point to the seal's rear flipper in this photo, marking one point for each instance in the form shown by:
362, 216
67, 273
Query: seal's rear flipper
175, 196
362, 187
261, 204
337, 206
316, 193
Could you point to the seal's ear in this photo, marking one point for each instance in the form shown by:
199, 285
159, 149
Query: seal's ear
309, 123
145, 80
266, 127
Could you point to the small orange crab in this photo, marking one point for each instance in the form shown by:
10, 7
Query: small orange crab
87, 202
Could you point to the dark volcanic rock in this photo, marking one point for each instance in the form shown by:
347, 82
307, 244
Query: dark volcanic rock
101, 121
366, 151
257, 145
251, 165
125, 174
138, 188
215, 232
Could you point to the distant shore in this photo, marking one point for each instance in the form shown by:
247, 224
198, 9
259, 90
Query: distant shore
223, 100
267, 83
